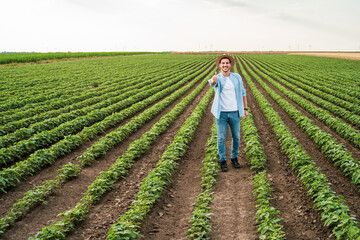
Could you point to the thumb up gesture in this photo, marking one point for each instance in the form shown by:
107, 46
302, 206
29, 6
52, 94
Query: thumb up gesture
214, 79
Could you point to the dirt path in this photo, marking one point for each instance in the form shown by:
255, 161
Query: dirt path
234, 203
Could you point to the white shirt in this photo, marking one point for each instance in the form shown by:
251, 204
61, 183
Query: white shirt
228, 97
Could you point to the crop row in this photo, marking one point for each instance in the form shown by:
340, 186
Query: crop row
339, 107
45, 85
325, 87
43, 157
67, 100
200, 218
10, 106
351, 117
333, 211
25, 92
6, 58
85, 107
309, 87
267, 217
305, 70
335, 151
28, 86
343, 129
46, 138
40, 193
42, 121
322, 76
105, 180
338, 71
74, 102
85, 85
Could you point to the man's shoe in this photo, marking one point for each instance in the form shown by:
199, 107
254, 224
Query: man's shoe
223, 166
235, 163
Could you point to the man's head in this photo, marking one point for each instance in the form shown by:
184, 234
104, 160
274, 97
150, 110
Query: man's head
225, 62
225, 56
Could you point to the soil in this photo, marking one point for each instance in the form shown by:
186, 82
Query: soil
343, 55
233, 205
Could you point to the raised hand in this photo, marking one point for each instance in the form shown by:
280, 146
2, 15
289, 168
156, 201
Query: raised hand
214, 79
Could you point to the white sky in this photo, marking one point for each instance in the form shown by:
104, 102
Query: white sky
179, 25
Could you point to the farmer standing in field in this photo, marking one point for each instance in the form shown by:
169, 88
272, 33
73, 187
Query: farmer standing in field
228, 106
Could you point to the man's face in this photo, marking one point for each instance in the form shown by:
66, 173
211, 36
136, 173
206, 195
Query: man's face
225, 65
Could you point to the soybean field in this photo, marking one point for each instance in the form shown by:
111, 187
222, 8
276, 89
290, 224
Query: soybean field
125, 147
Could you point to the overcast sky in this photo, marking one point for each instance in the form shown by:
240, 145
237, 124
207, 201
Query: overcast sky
179, 25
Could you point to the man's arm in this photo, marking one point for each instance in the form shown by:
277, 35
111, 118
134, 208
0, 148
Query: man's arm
213, 80
245, 108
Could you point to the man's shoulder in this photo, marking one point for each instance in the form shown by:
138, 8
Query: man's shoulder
235, 75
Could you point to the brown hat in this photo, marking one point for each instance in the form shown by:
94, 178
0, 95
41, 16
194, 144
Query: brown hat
232, 61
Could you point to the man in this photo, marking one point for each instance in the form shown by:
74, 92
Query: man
228, 106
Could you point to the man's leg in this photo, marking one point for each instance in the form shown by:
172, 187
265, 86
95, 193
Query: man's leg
234, 122
221, 127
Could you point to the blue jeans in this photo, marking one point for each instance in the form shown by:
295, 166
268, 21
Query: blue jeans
233, 119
